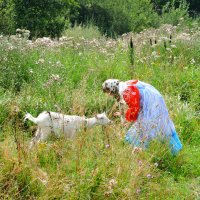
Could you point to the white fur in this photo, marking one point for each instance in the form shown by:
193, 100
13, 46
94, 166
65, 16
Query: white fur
57, 123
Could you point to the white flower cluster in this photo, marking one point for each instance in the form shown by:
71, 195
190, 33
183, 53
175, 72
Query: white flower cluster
23, 33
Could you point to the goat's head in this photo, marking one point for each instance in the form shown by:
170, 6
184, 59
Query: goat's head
102, 119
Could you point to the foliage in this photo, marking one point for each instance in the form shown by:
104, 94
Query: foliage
194, 6
42, 18
7, 24
113, 18
172, 14
116, 18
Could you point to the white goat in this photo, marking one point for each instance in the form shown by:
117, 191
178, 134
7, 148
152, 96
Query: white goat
57, 123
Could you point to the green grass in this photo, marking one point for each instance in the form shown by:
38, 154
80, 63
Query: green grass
67, 76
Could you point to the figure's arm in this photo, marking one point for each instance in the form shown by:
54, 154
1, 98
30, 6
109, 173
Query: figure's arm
122, 110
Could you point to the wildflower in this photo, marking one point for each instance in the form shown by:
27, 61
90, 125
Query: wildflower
11, 48
44, 41
156, 164
155, 54
58, 63
107, 146
108, 193
112, 183
18, 30
168, 49
138, 191
192, 61
173, 46
144, 43
40, 61
53, 78
149, 176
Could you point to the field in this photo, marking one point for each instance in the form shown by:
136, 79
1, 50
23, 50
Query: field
66, 75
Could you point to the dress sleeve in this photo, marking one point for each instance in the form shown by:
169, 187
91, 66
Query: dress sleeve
132, 98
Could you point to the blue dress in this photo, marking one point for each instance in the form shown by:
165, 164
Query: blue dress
153, 121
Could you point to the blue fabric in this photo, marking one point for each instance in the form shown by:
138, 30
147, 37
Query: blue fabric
139, 140
153, 121
175, 144
136, 139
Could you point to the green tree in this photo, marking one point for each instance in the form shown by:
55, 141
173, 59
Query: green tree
117, 17
194, 7
7, 25
43, 17
171, 12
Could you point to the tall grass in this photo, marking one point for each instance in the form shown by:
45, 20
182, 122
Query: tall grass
66, 76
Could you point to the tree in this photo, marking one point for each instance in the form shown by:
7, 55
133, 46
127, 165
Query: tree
117, 17
43, 17
194, 7
7, 25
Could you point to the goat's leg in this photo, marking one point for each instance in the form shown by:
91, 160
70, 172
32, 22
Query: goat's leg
36, 138
45, 134
41, 135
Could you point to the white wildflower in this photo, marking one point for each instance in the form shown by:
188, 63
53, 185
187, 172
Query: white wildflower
149, 176
107, 145
138, 191
192, 61
112, 183
40, 61
58, 63
156, 164
173, 46
168, 49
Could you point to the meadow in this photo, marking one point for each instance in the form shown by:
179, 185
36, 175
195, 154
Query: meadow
66, 75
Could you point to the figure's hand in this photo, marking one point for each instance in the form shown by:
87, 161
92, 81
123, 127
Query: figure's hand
117, 114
